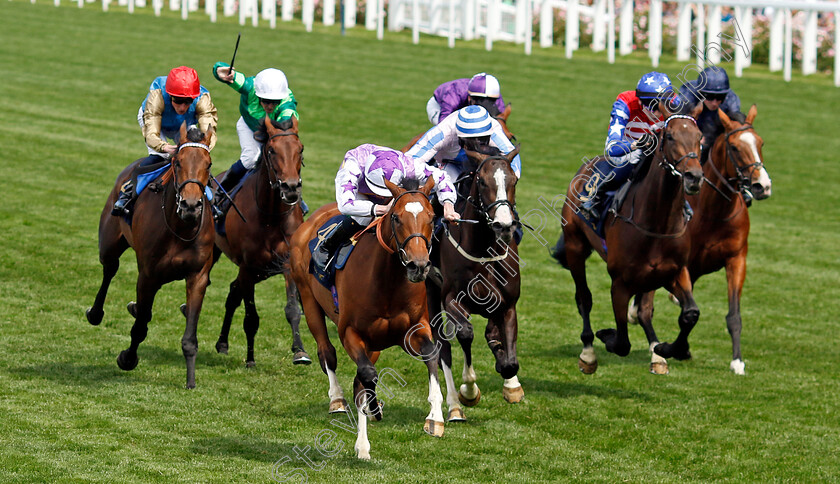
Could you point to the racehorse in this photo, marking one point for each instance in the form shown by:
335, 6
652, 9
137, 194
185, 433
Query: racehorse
501, 118
479, 264
381, 302
172, 234
646, 245
721, 225
259, 244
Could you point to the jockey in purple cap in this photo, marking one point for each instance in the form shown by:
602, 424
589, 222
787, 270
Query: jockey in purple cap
482, 89
471, 127
362, 195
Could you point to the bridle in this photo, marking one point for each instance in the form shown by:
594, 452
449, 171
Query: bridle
478, 202
403, 255
274, 181
668, 166
179, 186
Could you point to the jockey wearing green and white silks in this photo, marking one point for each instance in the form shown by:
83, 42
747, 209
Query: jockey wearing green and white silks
266, 93
440, 145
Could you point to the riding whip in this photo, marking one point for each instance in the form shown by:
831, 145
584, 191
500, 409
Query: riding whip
235, 49
232, 204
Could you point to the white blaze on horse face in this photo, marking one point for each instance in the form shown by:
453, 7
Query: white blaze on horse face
414, 208
763, 177
503, 215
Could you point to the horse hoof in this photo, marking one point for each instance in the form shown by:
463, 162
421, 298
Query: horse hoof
435, 429
250, 364
456, 415
467, 401
587, 368
513, 395
659, 368
301, 358
125, 363
94, 317
338, 406
132, 309
376, 414
221, 348
184, 310
738, 367
683, 355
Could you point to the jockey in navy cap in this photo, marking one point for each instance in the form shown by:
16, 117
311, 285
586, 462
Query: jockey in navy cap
712, 89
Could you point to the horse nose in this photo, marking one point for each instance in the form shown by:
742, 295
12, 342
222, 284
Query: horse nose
189, 209
759, 191
291, 187
502, 231
692, 182
418, 269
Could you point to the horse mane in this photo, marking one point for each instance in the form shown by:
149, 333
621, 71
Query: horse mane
195, 135
489, 104
737, 116
485, 149
410, 184
261, 134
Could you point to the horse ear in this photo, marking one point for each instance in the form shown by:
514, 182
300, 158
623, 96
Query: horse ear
724, 120
751, 114
269, 126
209, 135
474, 155
663, 108
396, 191
695, 113
504, 115
428, 186
510, 156
295, 124
183, 132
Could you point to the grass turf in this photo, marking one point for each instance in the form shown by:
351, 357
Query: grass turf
75, 78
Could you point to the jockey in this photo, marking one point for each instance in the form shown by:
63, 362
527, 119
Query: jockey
712, 88
471, 127
634, 118
362, 195
267, 92
172, 100
483, 89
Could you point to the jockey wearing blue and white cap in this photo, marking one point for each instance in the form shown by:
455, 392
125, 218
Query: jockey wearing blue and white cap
635, 116
442, 144
361, 193
712, 89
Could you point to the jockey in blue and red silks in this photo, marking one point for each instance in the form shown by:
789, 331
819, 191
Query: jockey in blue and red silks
634, 119
482, 89
361, 193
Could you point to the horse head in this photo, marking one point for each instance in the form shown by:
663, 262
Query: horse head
411, 218
743, 149
283, 156
680, 147
493, 191
191, 169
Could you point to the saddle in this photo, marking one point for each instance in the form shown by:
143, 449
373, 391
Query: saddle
151, 176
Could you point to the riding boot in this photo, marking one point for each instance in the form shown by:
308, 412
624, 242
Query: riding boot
124, 200
689, 212
345, 229
605, 177
231, 177
304, 206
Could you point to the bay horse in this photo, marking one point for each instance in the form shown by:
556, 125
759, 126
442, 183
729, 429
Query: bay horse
381, 302
172, 235
501, 118
646, 245
479, 265
721, 225
270, 203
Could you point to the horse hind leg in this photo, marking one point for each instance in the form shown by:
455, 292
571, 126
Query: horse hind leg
441, 337
111, 246
299, 355
326, 351
234, 299
468, 394
251, 323
142, 312
644, 314
576, 256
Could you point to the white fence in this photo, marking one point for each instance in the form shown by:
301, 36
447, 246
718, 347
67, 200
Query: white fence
512, 20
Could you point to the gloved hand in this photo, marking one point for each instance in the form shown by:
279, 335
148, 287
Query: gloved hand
646, 142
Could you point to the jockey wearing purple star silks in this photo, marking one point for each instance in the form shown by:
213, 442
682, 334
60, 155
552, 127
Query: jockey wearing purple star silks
361, 193
482, 89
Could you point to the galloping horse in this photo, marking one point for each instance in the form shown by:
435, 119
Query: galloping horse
270, 202
479, 263
501, 118
646, 246
381, 302
172, 234
721, 224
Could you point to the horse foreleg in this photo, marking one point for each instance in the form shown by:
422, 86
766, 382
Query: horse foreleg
616, 340
234, 299
690, 313
364, 390
644, 315
196, 288
501, 335
443, 338
422, 339
736, 273
326, 351
142, 312
299, 355
251, 323
111, 246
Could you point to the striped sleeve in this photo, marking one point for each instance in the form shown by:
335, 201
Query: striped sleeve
617, 145
347, 188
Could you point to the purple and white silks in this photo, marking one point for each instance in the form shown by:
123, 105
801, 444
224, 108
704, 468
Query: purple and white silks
453, 95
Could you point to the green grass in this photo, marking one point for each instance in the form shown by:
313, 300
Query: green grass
73, 81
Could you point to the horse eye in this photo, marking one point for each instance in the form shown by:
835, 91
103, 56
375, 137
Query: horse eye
668, 136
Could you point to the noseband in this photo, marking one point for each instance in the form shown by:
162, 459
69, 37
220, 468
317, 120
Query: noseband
743, 180
274, 181
668, 166
403, 255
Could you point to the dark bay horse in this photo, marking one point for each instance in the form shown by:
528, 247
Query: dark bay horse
646, 245
270, 202
479, 264
501, 118
172, 234
381, 299
721, 225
